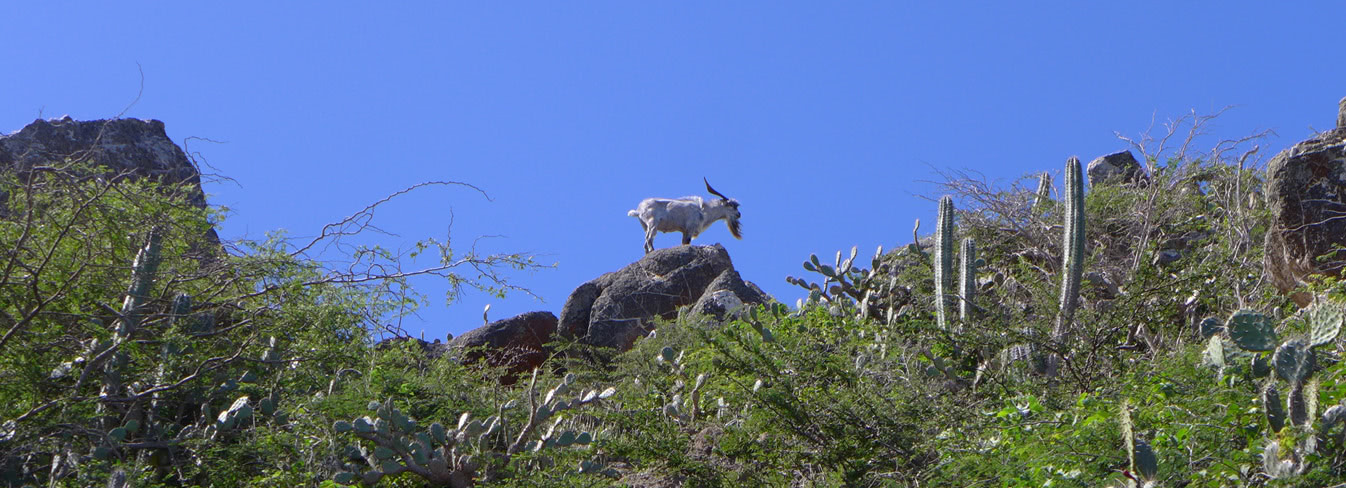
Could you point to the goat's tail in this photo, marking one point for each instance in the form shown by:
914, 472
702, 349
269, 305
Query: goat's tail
633, 213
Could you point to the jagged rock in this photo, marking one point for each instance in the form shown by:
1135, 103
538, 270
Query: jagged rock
1306, 192
518, 343
617, 308
1119, 167
128, 147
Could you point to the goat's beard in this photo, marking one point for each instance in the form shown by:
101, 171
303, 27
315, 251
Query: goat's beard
734, 228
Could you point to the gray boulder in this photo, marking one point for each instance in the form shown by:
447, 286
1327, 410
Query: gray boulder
617, 308
1306, 192
1118, 167
129, 148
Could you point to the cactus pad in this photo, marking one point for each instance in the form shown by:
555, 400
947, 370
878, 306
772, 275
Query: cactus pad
1298, 407
1271, 402
1325, 320
1251, 331
1293, 361
1146, 462
1210, 326
1215, 352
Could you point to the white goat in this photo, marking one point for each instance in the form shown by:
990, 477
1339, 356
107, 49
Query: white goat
689, 215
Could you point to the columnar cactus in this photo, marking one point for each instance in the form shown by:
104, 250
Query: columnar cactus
1044, 193
110, 357
1072, 245
967, 279
943, 260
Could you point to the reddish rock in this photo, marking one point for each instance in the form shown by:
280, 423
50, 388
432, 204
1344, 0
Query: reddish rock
518, 343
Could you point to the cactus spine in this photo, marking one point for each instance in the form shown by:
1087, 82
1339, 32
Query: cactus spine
967, 279
943, 260
1072, 245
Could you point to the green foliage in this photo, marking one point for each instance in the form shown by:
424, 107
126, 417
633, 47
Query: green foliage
255, 367
134, 342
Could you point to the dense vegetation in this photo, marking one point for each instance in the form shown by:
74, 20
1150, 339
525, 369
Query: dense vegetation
137, 350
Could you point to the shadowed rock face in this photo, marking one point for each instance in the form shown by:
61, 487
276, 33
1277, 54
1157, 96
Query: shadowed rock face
517, 343
1306, 191
617, 308
131, 147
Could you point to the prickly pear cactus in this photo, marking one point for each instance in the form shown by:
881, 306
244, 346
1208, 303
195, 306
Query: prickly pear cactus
451, 456
1325, 320
1292, 361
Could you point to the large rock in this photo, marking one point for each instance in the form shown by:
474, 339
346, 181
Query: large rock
518, 343
1118, 167
1306, 192
129, 148
617, 308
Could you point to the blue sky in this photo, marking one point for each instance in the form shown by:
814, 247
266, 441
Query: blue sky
825, 121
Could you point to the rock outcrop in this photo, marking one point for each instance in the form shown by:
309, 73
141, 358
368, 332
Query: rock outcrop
518, 343
129, 148
1118, 167
617, 308
1306, 192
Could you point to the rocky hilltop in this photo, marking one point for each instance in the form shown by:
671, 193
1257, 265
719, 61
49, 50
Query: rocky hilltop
129, 148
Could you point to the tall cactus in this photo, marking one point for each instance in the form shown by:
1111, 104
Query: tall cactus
143, 270
1044, 193
1072, 245
967, 279
943, 260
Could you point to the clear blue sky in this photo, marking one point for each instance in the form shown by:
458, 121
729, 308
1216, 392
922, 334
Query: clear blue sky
821, 118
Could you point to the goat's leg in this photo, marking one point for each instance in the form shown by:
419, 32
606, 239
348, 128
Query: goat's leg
686, 239
650, 231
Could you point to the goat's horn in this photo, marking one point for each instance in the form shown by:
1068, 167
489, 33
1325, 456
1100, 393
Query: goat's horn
712, 190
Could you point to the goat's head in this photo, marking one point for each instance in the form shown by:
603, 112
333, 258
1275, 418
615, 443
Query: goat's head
731, 206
